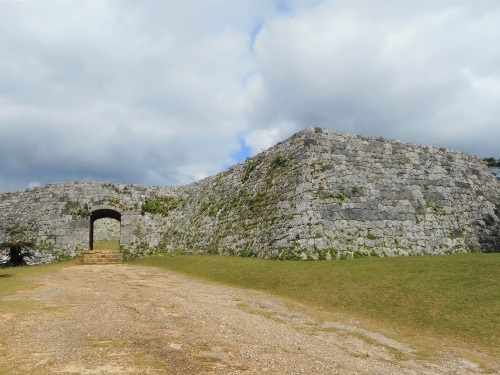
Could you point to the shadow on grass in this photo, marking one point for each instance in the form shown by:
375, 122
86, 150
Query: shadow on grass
5, 275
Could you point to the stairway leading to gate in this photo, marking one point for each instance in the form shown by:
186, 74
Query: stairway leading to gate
102, 257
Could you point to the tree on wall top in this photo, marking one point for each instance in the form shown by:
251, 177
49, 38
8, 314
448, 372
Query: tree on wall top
492, 162
19, 247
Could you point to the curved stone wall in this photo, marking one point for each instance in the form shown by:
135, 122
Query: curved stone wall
319, 194
106, 229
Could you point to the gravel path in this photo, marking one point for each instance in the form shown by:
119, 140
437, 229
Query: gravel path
120, 319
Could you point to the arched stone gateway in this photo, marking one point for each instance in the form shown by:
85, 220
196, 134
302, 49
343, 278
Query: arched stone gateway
320, 194
98, 215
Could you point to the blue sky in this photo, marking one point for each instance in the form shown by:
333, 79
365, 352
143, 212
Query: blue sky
242, 152
166, 93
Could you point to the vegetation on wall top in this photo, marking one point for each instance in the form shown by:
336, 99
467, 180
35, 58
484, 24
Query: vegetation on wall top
492, 162
161, 204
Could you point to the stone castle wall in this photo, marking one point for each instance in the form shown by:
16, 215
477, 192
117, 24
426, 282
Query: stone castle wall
106, 229
320, 194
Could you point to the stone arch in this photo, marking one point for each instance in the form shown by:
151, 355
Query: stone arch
101, 214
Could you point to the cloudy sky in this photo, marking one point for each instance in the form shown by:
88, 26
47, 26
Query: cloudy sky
168, 92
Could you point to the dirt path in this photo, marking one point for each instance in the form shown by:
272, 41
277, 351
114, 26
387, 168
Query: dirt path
119, 319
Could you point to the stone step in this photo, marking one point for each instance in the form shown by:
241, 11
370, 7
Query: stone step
102, 257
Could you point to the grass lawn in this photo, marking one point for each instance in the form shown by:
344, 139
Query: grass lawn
106, 245
455, 298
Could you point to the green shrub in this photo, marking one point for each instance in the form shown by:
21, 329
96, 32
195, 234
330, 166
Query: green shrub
63, 256
246, 253
278, 161
113, 202
82, 211
250, 165
357, 254
160, 204
340, 197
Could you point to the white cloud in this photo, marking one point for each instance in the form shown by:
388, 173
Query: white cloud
260, 139
164, 92
394, 70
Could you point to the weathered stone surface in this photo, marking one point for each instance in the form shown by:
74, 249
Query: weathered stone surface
106, 229
319, 194
102, 257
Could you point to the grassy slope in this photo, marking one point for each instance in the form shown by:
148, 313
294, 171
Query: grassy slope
455, 298
106, 245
